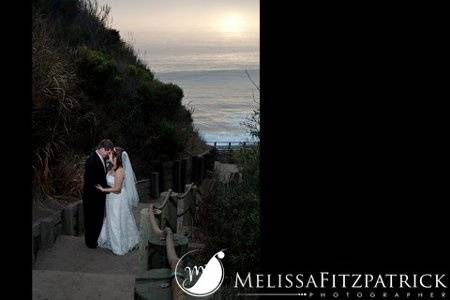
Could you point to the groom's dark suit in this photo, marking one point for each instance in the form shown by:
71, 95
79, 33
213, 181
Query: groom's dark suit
93, 199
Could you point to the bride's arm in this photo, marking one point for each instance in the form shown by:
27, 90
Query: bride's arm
118, 183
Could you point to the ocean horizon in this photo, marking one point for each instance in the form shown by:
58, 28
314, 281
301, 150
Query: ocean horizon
222, 100
210, 68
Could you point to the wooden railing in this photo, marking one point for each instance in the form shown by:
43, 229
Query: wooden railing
162, 238
63, 221
230, 145
161, 225
176, 174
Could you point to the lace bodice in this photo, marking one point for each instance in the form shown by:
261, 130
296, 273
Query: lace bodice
110, 179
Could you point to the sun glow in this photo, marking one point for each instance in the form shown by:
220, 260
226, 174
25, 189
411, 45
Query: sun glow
232, 24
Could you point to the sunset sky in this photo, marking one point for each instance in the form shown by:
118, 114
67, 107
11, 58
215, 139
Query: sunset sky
195, 16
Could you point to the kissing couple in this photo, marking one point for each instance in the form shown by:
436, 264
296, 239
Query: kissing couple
109, 194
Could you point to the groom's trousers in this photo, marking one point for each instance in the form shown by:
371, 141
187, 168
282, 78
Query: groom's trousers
94, 213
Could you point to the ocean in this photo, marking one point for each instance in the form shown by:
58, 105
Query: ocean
222, 100
212, 74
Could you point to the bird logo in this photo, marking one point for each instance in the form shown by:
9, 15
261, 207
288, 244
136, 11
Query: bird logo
202, 280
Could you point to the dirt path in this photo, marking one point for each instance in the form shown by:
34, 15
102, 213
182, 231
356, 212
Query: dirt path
225, 170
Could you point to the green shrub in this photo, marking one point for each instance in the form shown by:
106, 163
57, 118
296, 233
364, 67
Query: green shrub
97, 63
99, 73
69, 7
169, 141
231, 214
112, 37
132, 70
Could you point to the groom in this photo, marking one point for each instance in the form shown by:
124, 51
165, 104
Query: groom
93, 199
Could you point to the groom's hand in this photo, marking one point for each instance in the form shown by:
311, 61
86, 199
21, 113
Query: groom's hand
99, 187
108, 187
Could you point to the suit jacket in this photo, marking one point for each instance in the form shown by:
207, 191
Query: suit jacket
94, 173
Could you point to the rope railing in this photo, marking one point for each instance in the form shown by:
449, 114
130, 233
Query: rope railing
188, 190
167, 226
165, 200
175, 174
189, 209
230, 145
154, 227
172, 257
166, 235
171, 242
190, 206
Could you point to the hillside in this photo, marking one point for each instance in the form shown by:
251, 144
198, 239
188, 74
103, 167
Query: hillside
89, 84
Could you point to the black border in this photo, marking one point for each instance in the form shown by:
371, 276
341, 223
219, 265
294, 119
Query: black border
390, 56
353, 128
16, 144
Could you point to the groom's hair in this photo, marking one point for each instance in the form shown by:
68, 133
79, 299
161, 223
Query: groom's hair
106, 144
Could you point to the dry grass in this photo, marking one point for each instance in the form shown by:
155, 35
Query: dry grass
63, 181
54, 77
54, 84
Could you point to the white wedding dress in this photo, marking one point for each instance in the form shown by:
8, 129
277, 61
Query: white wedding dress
119, 232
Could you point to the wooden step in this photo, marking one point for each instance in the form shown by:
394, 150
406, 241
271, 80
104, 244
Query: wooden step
77, 285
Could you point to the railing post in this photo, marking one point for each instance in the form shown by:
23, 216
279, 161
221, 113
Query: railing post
188, 205
165, 174
33, 256
143, 241
202, 168
176, 170
47, 236
195, 169
161, 177
68, 226
80, 219
170, 212
209, 163
183, 173
212, 158
193, 205
206, 165
154, 185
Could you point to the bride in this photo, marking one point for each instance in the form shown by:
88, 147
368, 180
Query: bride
119, 232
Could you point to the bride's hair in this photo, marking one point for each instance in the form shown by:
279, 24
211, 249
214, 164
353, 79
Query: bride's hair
117, 152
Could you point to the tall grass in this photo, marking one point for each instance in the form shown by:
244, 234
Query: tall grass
54, 89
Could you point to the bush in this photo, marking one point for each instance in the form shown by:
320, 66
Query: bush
231, 214
99, 72
170, 140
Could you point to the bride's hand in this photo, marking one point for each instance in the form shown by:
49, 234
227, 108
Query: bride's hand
167, 232
99, 187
